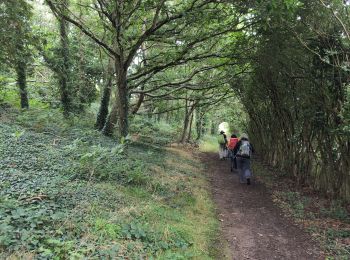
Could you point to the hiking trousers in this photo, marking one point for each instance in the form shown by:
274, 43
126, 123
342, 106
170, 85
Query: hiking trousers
233, 160
222, 151
244, 170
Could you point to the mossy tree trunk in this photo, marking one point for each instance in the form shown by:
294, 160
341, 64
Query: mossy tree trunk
105, 98
22, 83
64, 75
121, 104
111, 121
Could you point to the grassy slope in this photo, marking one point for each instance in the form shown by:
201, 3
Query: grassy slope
68, 192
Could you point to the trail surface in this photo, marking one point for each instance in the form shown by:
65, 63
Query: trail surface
251, 225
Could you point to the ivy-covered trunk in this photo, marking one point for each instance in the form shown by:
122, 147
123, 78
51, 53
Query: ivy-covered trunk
121, 104
106, 95
122, 100
64, 66
22, 83
111, 121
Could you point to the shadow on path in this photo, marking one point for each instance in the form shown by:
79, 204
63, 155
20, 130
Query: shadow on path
251, 225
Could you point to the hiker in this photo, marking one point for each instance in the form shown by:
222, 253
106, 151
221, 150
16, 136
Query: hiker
243, 151
222, 145
231, 147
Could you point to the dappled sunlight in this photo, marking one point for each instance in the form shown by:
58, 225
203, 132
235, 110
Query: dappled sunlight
209, 144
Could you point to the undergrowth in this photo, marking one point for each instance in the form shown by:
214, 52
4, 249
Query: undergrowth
327, 220
67, 192
155, 132
209, 144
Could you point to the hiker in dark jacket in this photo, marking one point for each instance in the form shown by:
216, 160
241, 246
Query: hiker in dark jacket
243, 151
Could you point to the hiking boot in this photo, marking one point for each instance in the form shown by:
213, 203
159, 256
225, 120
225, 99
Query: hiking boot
248, 181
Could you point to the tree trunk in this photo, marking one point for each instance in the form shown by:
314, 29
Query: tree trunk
64, 71
22, 83
190, 128
82, 88
213, 128
199, 123
111, 121
142, 95
139, 102
186, 119
184, 131
122, 99
167, 117
103, 111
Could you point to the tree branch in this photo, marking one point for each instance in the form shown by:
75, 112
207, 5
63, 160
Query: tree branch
82, 27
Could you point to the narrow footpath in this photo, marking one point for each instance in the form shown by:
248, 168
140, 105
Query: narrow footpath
251, 225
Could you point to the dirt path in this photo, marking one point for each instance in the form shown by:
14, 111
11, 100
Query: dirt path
251, 225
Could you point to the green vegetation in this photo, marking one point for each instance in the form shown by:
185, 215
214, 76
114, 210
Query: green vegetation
327, 220
68, 192
297, 95
93, 93
209, 144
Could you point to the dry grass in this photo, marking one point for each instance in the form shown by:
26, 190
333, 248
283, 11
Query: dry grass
21, 256
209, 144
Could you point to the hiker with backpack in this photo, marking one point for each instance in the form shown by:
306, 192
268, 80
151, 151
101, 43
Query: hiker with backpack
243, 151
231, 147
222, 145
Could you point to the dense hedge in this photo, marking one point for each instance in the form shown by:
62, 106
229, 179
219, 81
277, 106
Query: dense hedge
298, 96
